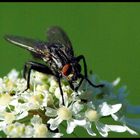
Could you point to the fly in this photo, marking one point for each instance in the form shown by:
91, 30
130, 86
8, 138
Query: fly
58, 54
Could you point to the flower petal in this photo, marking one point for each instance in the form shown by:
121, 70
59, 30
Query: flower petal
89, 129
102, 129
70, 126
115, 117
80, 122
3, 125
115, 108
55, 135
91, 105
22, 115
54, 123
131, 131
116, 82
13, 75
116, 128
106, 110
36, 119
29, 131
76, 107
50, 112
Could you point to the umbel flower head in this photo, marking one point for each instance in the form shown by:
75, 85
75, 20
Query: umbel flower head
38, 112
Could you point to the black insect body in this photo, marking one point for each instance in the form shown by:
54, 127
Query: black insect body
58, 55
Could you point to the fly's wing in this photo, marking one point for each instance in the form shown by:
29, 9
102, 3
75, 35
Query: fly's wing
35, 47
56, 35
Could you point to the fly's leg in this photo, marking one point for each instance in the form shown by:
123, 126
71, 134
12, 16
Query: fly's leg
61, 91
40, 68
34, 66
96, 86
71, 85
81, 57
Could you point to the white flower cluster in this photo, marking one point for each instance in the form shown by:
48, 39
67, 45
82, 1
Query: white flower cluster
38, 112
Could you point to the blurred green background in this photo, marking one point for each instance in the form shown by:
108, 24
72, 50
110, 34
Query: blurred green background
107, 34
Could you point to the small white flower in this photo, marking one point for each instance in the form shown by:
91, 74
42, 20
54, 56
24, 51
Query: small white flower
5, 99
40, 129
15, 130
35, 101
29, 131
42, 88
93, 115
103, 110
36, 120
13, 75
9, 117
64, 113
37, 77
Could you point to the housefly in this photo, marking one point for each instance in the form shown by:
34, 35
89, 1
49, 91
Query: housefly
58, 54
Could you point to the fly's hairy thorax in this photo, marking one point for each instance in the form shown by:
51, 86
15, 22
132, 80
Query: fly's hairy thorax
55, 57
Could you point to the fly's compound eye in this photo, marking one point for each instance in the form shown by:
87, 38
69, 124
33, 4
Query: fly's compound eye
66, 70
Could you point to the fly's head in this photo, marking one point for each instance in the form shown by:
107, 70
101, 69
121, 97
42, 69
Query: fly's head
71, 71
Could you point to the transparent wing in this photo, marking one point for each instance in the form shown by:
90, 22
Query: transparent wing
56, 35
34, 46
